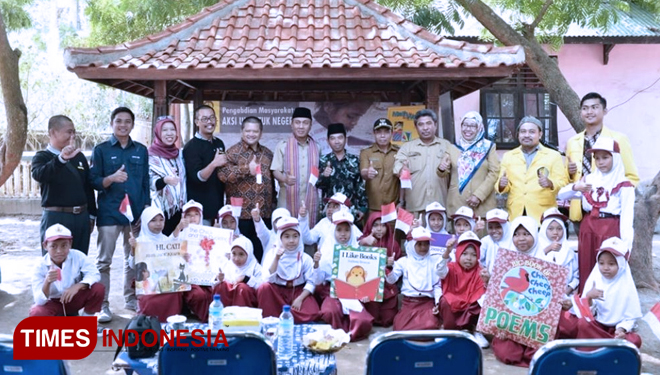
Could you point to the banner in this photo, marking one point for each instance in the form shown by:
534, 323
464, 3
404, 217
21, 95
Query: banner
205, 249
522, 301
160, 268
403, 122
439, 242
358, 272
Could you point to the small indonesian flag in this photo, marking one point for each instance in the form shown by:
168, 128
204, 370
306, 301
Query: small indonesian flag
388, 213
313, 175
404, 221
236, 206
259, 176
581, 308
653, 319
406, 182
125, 208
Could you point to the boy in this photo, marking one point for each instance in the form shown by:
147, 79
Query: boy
65, 280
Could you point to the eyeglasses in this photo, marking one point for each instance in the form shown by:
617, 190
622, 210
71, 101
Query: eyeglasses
469, 126
160, 118
207, 119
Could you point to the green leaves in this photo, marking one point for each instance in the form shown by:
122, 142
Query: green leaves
14, 14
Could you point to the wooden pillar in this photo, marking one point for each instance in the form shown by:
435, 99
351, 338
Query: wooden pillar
198, 98
447, 116
433, 97
160, 100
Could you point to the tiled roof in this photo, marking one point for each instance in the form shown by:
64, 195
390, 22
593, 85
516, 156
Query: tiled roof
261, 34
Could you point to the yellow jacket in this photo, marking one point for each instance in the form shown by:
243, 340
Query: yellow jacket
524, 190
575, 150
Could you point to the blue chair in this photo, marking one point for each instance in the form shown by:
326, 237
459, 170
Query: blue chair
448, 352
247, 353
8, 365
612, 357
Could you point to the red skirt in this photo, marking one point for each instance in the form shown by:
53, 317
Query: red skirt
198, 299
512, 353
236, 295
384, 312
593, 231
357, 324
161, 305
416, 313
597, 330
272, 298
567, 327
466, 319
321, 292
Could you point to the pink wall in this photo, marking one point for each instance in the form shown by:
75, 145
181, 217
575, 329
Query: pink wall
631, 68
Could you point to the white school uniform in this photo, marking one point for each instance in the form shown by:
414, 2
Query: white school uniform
419, 276
251, 268
565, 257
76, 268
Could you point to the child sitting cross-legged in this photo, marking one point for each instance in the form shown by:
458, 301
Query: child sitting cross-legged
240, 277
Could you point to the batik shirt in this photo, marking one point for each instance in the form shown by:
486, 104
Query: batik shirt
345, 178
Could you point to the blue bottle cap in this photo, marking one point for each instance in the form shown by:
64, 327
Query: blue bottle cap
287, 308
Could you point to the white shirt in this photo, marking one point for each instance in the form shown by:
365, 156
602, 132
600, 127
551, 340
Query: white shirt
306, 275
323, 230
407, 289
72, 267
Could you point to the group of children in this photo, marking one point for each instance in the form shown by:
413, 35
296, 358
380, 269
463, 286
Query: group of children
438, 288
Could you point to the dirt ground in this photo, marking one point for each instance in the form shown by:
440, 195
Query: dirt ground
19, 248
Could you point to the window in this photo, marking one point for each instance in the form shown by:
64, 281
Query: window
506, 102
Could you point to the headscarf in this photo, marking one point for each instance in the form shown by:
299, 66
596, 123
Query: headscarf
462, 287
273, 238
420, 269
465, 213
227, 211
606, 184
529, 223
436, 207
473, 152
564, 254
387, 241
290, 265
146, 235
232, 271
620, 299
158, 147
328, 247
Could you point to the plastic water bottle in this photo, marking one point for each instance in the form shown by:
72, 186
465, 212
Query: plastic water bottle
285, 334
215, 314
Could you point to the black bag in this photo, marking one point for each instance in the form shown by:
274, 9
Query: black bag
140, 324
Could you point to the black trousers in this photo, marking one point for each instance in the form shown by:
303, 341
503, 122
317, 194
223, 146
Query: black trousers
246, 226
78, 224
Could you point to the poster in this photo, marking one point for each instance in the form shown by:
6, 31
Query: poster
358, 272
403, 122
439, 242
160, 268
522, 301
205, 250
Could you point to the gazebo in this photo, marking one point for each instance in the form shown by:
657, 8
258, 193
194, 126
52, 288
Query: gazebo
293, 50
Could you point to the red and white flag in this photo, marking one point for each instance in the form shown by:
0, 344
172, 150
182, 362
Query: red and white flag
259, 176
582, 308
236, 206
388, 213
404, 221
313, 175
406, 179
653, 319
125, 208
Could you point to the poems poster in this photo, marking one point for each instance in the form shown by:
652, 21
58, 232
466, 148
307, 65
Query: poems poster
160, 268
205, 250
522, 301
358, 272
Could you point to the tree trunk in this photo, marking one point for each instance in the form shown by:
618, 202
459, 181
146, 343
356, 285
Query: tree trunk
11, 148
545, 68
647, 211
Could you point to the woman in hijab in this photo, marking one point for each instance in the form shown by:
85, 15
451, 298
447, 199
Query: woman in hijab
240, 277
167, 174
474, 168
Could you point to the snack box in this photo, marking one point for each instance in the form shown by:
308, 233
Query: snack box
240, 318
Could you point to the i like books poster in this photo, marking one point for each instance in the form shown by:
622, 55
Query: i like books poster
205, 250
358, 272
160, 268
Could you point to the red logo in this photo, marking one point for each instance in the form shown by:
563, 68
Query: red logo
55, 337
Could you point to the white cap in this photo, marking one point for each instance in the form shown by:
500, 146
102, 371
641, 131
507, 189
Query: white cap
421, 234
497, 215
342, 217
553, 212
192, 204
605, 144
435, 207
463, 212
468, 236
224, 211
56, 232
616, 246
340, 198
287, 222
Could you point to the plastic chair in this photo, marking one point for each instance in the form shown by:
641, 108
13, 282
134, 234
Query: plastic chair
448, 352
8, 365
612, 356
247, 353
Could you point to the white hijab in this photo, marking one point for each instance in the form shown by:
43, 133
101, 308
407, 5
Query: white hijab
328, 249
561, 257
444, 222
146, 235
232, 271
474, 115
608, 181
620, 300
530, 225
420, 270
290, 264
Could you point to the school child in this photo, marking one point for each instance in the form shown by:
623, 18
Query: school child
608, 198
379, 234
226, 220
612, 295
435, 218
268, 237
421, 285
554, 248
324, 229
65, 280
190, 214
497, 225
290, 280
462, 287
239, 279
352, 318
464, 221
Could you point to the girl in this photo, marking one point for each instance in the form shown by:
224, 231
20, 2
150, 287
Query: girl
464, 221
612, 296
226, 220
436, 218
242, 275
497, 222
421, 285
609, 198
377, 234
268, 237
333, 311
554, 248
290, 280
462, 287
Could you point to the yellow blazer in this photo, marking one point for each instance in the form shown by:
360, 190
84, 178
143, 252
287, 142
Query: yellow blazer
575, 150
524, 190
